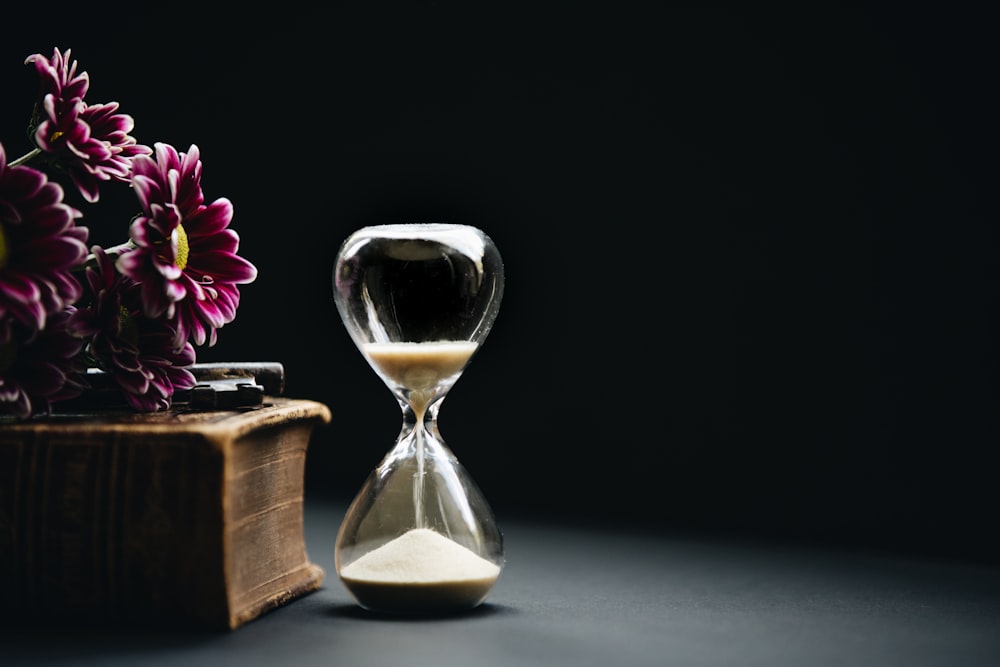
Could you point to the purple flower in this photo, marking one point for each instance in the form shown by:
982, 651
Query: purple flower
185, 255
58, 76
40, 368
139, 352
40, 245
92, 143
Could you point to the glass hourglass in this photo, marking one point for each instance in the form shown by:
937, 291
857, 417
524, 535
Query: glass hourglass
418, 300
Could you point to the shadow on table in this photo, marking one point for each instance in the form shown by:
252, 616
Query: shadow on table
353, 611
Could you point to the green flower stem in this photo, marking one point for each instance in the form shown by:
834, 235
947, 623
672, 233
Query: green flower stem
111, 252
24, 158
120, 248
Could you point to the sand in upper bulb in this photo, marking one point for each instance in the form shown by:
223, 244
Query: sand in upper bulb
420, 571
420, 367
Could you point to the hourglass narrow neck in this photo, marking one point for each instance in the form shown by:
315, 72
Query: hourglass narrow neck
420, 413
416, 406
420, 374
418, 441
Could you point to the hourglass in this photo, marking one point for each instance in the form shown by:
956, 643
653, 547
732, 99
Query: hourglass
418, 300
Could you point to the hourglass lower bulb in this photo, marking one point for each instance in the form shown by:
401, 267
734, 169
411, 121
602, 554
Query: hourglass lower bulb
418, 300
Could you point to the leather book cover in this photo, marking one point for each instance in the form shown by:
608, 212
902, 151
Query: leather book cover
184, 515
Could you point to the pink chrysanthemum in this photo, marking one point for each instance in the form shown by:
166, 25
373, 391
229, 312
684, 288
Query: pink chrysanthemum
185, 255
139, 352
59, 77
40, 368
92, 143
40, 245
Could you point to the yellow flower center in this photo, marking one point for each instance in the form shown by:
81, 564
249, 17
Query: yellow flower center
183, 249
3, 247
129, 329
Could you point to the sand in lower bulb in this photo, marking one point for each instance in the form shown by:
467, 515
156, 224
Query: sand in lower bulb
421, 571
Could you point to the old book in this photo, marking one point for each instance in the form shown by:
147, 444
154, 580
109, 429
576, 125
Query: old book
185, 515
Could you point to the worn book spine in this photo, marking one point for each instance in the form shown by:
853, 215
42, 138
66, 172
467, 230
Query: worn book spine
163, 517
267, 520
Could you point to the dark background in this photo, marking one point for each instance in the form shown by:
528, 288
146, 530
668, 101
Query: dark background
750, 253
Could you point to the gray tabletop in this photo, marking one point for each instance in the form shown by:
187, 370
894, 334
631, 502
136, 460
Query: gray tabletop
574, 597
